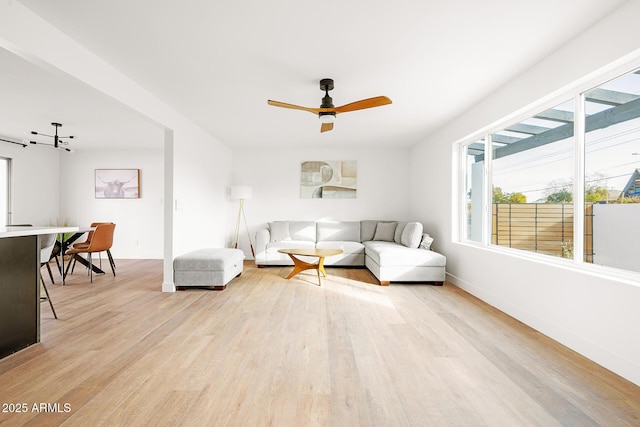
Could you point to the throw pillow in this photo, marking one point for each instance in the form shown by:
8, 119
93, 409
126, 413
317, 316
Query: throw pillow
426, 242
280, 231
385, 231
411, 235
399, 229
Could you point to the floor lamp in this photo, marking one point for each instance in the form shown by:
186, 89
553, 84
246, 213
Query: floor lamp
241, 193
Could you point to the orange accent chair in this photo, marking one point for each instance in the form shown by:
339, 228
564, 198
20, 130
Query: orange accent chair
89, 236
101, 241
86, 242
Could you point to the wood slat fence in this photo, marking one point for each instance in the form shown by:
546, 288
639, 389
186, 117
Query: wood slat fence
540, 227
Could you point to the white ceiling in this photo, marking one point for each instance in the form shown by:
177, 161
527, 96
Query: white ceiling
32, 98
218, 62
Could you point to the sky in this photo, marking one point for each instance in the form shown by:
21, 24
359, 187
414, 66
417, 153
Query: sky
612, 154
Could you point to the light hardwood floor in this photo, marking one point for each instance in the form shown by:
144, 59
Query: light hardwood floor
270, 351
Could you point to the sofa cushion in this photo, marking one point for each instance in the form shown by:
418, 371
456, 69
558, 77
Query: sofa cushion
388, 254
385, 231
399, 229
411, 235
303, 230
338, 231
289, 244
367, 230
347, 246
279, 231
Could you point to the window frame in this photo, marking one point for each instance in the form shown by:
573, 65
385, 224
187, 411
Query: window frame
575, 91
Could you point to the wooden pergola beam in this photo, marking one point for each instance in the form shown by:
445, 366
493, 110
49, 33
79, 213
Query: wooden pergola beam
606, 118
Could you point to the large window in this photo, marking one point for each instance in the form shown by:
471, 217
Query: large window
612, 179
531, 180
474, 212
533, 168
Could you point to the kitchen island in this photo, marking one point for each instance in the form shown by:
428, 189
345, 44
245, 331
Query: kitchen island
20, 285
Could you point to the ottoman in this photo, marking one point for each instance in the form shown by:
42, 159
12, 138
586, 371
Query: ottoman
207, 268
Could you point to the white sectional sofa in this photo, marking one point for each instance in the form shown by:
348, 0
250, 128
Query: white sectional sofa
394, 251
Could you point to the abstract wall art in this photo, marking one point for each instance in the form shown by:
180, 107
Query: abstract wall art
329, 179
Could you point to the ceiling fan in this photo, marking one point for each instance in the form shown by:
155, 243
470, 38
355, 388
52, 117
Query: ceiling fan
327, 112
58, 141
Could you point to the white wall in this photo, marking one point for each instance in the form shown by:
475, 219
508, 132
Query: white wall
274, 176
202, 174
591, 313
35, 183
195, 162
139, 222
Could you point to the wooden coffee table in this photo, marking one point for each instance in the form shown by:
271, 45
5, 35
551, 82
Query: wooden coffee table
299, 265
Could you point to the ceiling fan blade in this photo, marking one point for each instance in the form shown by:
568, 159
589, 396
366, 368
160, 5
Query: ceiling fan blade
293, 107
365, 103
325, 127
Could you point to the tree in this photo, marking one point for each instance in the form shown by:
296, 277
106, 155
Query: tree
626, 199
562, 196
501, 197
516, 198
561, 190
596, 194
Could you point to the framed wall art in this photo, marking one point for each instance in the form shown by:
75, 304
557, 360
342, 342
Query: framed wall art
328, 179
117, 183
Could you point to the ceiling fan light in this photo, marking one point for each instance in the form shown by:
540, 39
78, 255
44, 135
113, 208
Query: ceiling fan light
327, 117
